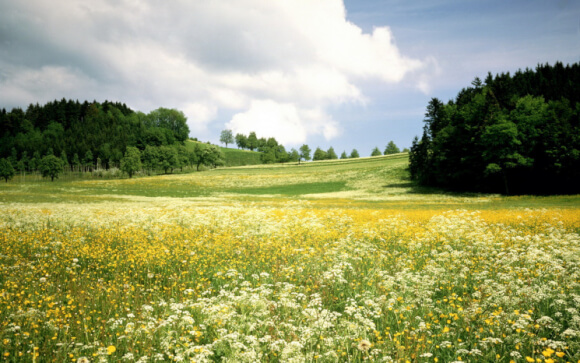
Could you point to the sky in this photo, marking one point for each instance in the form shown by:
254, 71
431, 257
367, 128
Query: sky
352, 74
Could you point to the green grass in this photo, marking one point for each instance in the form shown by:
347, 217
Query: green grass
381, 182
295, 189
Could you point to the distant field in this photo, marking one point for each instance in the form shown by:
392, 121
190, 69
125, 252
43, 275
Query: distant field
334, 261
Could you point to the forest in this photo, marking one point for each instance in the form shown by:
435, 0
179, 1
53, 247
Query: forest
85, 133
84, 137
510, 134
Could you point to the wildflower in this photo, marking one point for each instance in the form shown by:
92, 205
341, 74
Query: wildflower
364, 345
111, 349
83, 360
42, 280
548, 352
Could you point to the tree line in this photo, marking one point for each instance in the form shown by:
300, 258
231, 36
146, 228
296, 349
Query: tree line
109, 138
511, 134
80, 137
273, 152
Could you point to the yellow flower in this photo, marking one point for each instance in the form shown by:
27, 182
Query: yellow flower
548, 352
560, 354
530, 359
111, 349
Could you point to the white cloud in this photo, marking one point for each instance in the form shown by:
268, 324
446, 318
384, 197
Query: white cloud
284, 121
278, 66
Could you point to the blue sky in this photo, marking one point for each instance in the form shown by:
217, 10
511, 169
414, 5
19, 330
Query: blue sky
352, 74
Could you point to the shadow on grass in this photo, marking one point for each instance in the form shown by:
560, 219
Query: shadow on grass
416, 188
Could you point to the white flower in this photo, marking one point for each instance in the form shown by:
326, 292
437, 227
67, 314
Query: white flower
364, 345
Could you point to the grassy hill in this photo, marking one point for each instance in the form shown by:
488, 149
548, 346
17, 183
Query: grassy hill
234, 157
381, 181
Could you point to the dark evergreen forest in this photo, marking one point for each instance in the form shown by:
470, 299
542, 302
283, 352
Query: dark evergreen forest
512, 134
85, 135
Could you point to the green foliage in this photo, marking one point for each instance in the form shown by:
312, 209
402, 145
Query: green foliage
515, 134
241, 141
331, 154
343, 155
304, 153
376, 152
210, 156
227, 137
354, 154
131, 162
391, 148
105, 130
252, 141
6, 169
294, 155
319, 154
51, 166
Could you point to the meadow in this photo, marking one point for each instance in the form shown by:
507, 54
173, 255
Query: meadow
334, 261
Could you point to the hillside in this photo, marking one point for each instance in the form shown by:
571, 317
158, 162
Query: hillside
381, 181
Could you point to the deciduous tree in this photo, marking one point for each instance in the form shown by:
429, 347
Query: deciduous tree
6, 170
51, 166
304, 153
131, 162
227, 137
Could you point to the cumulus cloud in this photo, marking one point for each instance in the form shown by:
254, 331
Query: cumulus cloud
277, 66
287, 122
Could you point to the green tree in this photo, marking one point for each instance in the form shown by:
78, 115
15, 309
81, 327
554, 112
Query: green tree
294, 155
6, 170
304, 153
252, 142
227, 137
210, 156
88, 161
343, 155
51, 166
391, 148
501, 154
64, 158
151, 158
319, 154
331, 154
268, 156
172, 120
76, 162
354, 154
168, 158
376, 152
241, 141
131, 162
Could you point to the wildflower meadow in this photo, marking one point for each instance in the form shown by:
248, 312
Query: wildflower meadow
358, 268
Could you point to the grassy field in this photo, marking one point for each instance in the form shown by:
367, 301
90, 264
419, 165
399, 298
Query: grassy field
335, 261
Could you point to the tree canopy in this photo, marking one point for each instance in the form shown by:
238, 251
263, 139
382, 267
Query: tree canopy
509, 134
91, 131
